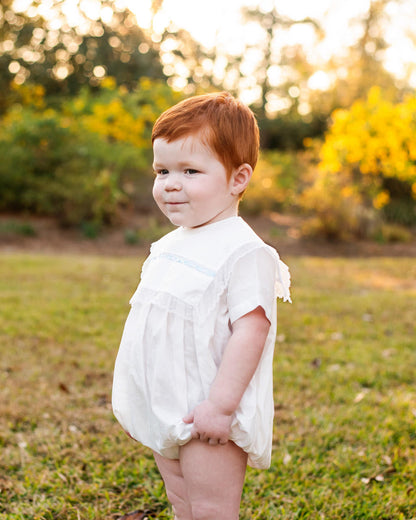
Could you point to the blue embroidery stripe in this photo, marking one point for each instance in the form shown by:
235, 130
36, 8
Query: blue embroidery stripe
189, 263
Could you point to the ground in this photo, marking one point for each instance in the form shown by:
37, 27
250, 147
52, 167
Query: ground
280, 231
344, 436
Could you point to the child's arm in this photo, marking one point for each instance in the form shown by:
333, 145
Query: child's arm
213, 417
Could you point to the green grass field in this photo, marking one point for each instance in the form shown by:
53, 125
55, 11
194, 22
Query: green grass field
345, 367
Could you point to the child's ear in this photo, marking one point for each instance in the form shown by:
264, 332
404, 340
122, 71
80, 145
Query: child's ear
240, 178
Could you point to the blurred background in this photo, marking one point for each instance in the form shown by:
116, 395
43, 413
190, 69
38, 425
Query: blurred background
332, 84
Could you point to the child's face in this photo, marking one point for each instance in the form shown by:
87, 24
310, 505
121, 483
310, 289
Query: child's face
191, 186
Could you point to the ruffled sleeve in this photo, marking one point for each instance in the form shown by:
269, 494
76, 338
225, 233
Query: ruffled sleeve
257, 278
282, 284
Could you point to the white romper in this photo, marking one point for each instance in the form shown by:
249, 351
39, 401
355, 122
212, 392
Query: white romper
194, 285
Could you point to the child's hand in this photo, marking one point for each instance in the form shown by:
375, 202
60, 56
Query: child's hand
210, 423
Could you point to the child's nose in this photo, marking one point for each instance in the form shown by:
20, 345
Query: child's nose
173, 182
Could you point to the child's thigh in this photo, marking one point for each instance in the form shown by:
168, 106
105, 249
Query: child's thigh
214, 478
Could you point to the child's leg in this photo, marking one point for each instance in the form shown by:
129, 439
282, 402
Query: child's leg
214, 479
175, 486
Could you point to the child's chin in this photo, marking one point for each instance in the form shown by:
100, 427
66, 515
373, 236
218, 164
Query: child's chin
184, 222
175, 220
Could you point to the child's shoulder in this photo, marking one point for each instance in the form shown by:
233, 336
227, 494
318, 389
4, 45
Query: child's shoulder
243, 235
247, 232
233, 240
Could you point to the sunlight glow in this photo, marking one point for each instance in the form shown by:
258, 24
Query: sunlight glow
219, 24
320, 80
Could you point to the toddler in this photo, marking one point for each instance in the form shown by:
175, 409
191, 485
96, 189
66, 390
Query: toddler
193, 375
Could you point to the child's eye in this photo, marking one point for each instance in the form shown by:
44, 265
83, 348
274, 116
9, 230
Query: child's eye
162, 171
190, 171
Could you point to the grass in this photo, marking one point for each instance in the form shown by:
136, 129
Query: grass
345, 433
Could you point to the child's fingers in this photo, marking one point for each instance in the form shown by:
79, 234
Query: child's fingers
188, 419
213, 441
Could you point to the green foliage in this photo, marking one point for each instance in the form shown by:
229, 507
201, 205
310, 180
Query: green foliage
289, 131
344, 438
52, 169
80, 161
336, 209
274, 185
146, 234
14, 227
388, 233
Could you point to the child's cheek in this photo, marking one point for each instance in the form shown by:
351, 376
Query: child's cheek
156, 191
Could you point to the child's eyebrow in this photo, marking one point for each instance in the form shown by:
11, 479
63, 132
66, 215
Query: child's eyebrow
157, 165
180, 164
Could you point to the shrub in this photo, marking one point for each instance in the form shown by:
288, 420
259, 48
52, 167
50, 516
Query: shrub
337, 208
388, 233
122, 116
49, 168
81, 160
367, 170
274, 184
13, 227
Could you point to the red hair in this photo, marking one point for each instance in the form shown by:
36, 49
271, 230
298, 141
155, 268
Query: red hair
225, 124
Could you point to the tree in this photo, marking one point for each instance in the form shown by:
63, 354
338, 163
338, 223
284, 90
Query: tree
361, 67
290, 59
184, 60
63, 52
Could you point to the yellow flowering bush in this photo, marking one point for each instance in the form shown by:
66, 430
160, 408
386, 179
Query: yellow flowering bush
367, 167
27, 94
127, 117
81, 160
376, 136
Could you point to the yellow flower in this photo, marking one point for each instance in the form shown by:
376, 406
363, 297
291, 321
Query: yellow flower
381, 200
109, 83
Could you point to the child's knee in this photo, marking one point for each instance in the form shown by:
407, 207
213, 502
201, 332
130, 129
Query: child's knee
180, 505
208, 510
203, 511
